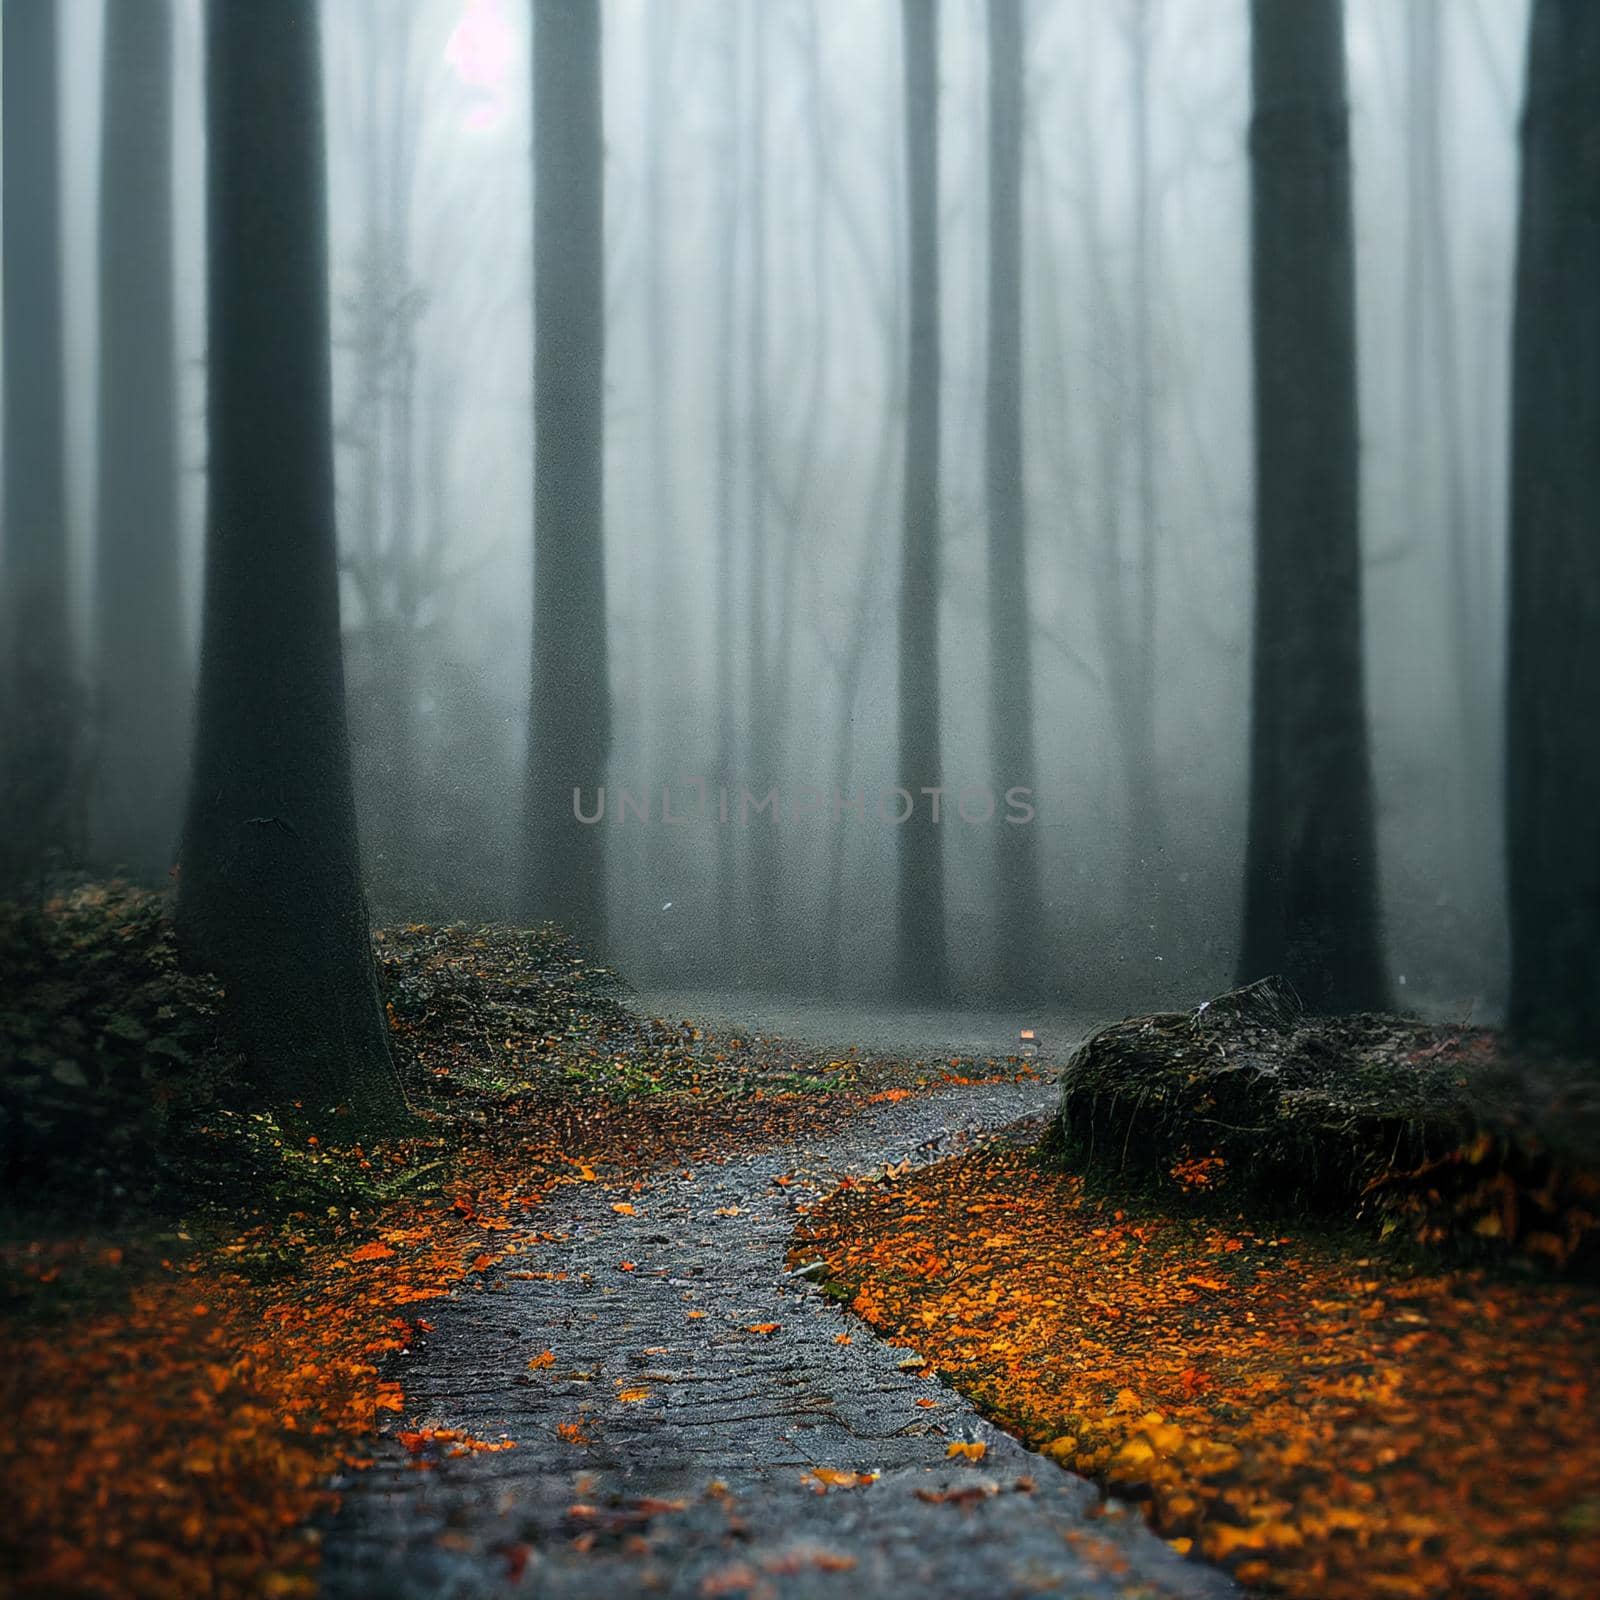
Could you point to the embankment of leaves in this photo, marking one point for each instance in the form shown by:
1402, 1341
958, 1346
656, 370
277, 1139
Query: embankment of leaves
1326, 1421
201, 1310
1442, 1135
121, 1092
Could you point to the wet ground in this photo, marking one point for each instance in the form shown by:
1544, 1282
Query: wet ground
695, 1389
878, 1027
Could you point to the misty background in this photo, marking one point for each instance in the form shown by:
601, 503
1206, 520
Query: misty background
756, 267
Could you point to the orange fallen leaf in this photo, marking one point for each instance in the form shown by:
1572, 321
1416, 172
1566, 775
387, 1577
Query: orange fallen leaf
822, 1479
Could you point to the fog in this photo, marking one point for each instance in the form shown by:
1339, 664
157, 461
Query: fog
756, 288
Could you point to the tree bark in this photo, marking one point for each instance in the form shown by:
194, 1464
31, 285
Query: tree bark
270, 893
570, 713
1553, 693
1017, 919
141, 667
40, 821
1311, 904
923, 965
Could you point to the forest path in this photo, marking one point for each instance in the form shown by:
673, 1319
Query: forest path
706, 1383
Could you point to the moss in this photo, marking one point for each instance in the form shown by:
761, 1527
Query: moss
1441, 1133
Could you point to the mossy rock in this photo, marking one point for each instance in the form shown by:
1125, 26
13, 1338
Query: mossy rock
1445, 1130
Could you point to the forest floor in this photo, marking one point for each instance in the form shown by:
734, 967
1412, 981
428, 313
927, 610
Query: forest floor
610, 1327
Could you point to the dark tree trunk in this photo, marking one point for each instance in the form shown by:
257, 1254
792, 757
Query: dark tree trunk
40, 820
1010, 644
270, 894
1553, 700
570, 715
1311, 910
924, 970
141, 665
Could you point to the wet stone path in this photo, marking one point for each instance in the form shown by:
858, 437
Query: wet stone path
666, 1448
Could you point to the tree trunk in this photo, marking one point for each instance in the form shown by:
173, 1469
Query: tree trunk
1311, 905
270, 894
1137, 697
1017, 915
726, 485
758, 955
40, 825
924, 971
1553, 699
1430, 323
570, 715
141, 669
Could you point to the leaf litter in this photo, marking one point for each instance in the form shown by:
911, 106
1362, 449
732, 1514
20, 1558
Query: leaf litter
203, 1312
1326, 1421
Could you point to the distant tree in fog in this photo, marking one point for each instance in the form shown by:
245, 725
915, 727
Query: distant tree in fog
41, 822
725, 474
1311, 904
393, 571
923, 966
270, 893
141, 672
758, 954
1010, 637
1553, 699
1134, 670
570, 710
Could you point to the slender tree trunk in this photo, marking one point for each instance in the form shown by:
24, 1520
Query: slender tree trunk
400, 641
40, 825
664, 712
850, 674
1311, 902
1553, 698
1431, 331
924, 969
570, 715
141, 670
759, 962
270, 894
1017, 914
1138, 718
796, 501
727, 886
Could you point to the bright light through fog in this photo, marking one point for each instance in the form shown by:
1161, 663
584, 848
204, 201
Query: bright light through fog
479, 53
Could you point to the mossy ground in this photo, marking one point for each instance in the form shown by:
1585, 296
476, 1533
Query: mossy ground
1434, 1135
